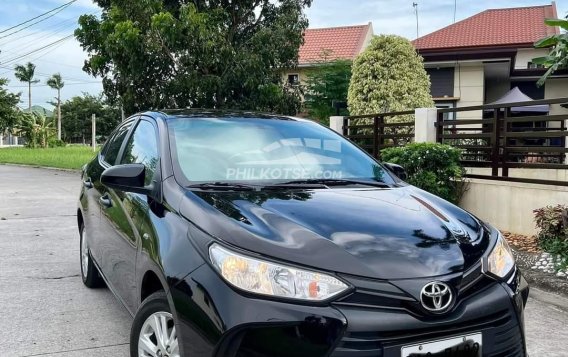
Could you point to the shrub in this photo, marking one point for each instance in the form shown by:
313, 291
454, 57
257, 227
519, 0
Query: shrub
53, 142
552, 223
435, 168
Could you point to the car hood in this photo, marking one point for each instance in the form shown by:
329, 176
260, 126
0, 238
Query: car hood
393, 233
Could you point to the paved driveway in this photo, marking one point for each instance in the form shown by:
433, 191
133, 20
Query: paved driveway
46, 310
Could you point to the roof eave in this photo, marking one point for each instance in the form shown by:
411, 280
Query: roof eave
466, 49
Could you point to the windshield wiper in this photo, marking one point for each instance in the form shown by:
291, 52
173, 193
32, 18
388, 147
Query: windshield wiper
223, 186
328, 182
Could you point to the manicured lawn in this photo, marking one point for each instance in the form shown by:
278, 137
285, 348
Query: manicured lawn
72, 157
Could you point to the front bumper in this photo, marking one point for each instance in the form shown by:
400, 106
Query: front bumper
215, 320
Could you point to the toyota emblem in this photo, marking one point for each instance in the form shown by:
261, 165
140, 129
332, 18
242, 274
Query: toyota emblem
436, 296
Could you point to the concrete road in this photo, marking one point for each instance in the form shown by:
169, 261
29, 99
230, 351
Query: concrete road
46, 310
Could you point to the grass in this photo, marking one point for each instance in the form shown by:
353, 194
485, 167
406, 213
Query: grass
70, 157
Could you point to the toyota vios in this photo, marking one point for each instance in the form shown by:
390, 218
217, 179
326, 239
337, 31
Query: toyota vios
236, 234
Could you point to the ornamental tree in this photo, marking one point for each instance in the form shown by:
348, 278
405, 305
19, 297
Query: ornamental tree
389, 76
202, 53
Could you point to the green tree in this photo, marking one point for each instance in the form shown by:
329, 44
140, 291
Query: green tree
326, 83
26, 74
9, 113
56, 82
200, 53
76, 117
389, 76
558, 56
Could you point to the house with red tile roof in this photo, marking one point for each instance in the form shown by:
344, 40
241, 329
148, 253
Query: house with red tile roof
480, 59
328, 44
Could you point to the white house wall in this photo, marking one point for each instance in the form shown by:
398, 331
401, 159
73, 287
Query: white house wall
526, 55
469, 87
556, 88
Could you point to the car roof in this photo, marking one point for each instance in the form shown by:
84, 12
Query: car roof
221, 113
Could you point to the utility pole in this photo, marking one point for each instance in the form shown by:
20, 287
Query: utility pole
94, 132
415, 6
59, 113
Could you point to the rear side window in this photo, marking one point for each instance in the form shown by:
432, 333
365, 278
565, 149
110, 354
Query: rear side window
114, 144
142, 148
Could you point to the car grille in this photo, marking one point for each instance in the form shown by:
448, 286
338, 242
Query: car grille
502, 336
500, 331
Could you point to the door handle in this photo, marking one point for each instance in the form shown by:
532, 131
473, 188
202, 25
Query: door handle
88, 183
105, 201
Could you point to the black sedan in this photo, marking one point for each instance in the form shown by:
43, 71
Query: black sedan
234, 234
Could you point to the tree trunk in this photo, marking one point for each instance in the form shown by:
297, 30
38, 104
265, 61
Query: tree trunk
59, 114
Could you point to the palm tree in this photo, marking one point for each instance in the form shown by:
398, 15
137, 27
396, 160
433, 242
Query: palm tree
26, 74
55, 82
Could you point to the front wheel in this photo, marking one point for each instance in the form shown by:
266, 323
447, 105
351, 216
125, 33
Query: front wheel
153, 330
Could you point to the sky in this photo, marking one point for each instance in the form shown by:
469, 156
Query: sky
67, 57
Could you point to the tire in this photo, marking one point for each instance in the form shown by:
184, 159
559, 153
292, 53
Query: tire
89, 273
154, 308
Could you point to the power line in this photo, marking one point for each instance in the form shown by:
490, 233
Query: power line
39, 35
61, 26
45, 85
38, 16
13, 59
40, 74
38, 21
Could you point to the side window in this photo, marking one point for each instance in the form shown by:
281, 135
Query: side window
142, 148
113, 146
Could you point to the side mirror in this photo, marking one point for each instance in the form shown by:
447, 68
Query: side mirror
397, 170
127, 178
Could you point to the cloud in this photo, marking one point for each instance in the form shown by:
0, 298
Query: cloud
66, 57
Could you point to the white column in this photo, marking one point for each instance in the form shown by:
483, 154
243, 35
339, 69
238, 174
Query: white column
1, 139
94, 132
336, 123
425, 125
566, 142
15, 139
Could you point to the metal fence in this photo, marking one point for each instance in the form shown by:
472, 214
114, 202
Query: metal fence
502, 140
375, 132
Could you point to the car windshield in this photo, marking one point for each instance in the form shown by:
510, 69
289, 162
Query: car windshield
266, 151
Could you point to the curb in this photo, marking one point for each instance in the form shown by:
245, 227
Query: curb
537, 278
41, 167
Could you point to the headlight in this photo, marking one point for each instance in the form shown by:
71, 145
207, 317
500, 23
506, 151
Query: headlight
271, 279
500, 261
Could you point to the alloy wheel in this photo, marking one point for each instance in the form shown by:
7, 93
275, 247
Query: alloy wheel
84, 255
158, 336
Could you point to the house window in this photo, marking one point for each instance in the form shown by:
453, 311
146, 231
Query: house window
442, 82
447, 105
294, 79
532, 65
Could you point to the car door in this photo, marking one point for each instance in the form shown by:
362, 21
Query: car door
140, 148
94, 191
